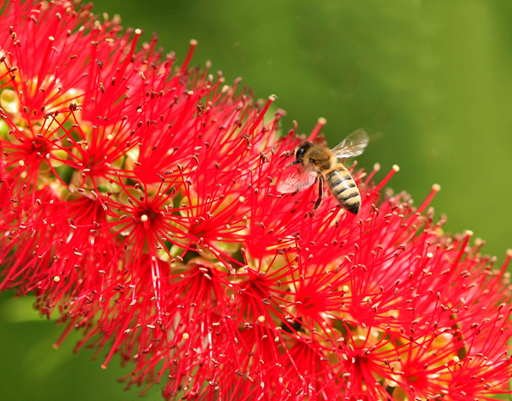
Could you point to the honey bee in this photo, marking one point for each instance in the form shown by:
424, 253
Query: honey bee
317, 162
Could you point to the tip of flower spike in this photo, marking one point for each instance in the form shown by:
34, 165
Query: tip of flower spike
271, 99
193, 44
144, 218
56, 279
103, 366
56, 346
261, 319
186, 336
435, 189
394, 170
468, 233
507, 260
321, 122
138, 32
21, 163
376, 167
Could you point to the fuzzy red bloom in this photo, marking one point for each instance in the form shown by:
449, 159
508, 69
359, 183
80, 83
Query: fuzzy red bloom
138, 201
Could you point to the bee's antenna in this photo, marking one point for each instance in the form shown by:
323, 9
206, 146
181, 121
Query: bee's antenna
285, 155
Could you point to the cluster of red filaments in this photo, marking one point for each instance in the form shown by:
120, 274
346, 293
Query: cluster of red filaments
138, 201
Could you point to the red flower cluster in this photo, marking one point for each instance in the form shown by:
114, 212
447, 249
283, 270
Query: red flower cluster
138, 201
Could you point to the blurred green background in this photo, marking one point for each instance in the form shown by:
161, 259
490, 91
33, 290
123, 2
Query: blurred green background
434, 76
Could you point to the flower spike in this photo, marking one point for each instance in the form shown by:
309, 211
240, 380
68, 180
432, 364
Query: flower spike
139, 202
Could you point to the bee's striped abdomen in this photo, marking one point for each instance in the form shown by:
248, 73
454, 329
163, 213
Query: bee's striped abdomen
344, 188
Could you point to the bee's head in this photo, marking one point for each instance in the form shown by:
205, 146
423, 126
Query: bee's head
301, 150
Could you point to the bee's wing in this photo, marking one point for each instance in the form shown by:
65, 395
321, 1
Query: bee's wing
352, 145
302, 178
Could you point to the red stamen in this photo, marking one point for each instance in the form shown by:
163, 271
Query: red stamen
321, 122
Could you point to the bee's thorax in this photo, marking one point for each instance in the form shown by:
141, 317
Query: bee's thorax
320, 157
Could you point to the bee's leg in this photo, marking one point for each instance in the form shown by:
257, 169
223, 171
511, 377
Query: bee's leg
320, 192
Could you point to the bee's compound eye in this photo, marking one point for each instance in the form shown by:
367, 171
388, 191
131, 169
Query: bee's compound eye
302, 149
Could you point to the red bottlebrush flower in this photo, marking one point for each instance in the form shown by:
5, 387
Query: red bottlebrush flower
139, 203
